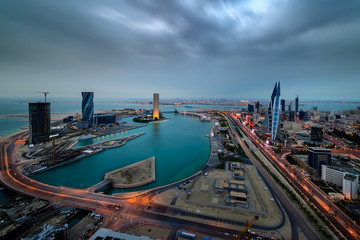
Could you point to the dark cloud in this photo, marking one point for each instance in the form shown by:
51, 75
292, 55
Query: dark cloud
181, 48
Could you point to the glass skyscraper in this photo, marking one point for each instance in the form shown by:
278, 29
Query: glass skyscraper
272, 115
87, 107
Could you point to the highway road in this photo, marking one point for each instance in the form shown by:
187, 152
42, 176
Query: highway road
293, 213
341, 222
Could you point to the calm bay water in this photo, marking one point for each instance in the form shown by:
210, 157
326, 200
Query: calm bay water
178, 144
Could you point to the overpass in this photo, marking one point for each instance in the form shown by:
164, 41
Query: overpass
99, 185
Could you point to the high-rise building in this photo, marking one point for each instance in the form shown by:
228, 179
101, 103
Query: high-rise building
250, 108
39, 122
290, 106
297, 104
282, 103
87, 108
156, 106
292, 116
317, 133
250, 120
303, 116
351, 185
257, 106
317, 156
272, 115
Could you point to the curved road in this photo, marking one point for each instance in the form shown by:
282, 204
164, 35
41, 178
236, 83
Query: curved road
12, 177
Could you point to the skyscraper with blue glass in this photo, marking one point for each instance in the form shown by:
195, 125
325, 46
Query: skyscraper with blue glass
87, 107
272, 115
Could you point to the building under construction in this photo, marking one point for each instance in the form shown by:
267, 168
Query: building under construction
39, 122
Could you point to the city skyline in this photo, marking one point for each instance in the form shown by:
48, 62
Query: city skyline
203, 49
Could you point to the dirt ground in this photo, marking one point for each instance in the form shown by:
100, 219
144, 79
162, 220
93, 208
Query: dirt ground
149, 230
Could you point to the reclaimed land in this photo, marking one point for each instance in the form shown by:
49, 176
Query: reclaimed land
134, 175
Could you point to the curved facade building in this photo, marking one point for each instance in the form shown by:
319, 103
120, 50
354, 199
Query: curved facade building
87, 107
272, 115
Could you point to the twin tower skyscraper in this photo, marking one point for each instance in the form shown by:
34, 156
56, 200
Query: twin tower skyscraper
272, 114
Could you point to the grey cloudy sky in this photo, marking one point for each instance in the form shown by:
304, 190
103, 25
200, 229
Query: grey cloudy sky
234, 49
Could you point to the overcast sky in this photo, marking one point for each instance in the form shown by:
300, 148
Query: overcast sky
189, 48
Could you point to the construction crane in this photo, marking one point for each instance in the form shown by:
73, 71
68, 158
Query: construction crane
45, 94
248, 225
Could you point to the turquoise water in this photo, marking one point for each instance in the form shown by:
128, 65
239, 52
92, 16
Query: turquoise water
12, 125
179, 146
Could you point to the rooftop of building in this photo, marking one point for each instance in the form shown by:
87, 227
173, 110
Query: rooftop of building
319, 149
318, 127
239, 172
340, 165
238, 194
351, 177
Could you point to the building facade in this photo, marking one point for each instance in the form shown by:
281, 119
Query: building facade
297, 104
351, 185
257, 106
292, 116
39, 122
318, 156
332, 175
282, 103
156, 114
87, 108
250, 120
317, 133
272, 115
104, 119
303, 116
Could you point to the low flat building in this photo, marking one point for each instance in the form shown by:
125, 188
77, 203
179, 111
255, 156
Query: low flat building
230, 185
236, 182
336, 196
237, 199
235, 166
104, 119
291, 126
238, 175
235, 187
83, 124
